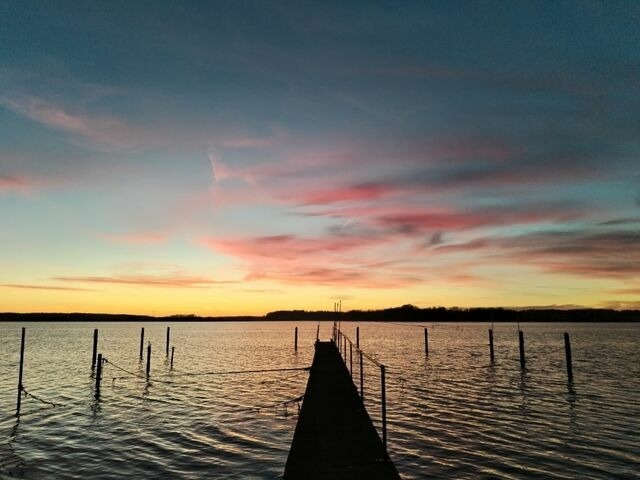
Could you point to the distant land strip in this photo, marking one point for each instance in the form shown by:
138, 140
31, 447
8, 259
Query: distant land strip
404, 314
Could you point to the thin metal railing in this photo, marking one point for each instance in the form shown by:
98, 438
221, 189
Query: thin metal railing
342, 341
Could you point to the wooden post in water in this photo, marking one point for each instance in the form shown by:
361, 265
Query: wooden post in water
491, 345
20, 372
318, 333
426, 342
95, 348
141, 342
295, 340
168, 337
567, 353
358, 338
148, 359
351, 359
521, 341
361, 377
173, 350
98, 375
384, 406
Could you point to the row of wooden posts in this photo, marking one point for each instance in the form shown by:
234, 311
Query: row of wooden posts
567, 347
97, 358
96, 361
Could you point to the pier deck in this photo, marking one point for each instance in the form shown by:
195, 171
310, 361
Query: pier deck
335, 438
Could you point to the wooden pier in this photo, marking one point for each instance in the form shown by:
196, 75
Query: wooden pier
335, 438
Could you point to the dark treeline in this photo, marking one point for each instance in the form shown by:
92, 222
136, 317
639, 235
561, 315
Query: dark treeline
406, 313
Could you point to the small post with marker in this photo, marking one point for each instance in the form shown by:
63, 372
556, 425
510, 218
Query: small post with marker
95, 348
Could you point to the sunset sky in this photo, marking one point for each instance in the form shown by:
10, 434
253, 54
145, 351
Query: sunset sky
240, 157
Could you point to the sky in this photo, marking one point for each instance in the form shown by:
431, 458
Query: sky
227, 158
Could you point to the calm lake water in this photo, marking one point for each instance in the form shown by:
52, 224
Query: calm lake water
451, 415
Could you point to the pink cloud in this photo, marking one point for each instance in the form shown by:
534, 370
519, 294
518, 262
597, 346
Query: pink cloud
14, 184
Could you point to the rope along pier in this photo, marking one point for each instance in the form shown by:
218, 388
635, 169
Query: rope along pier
199, 374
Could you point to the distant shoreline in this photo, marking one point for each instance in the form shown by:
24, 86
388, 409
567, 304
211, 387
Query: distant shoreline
404, 314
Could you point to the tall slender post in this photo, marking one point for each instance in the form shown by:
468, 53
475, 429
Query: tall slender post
168, 337
567, 353
141, 342
358, 338
345, 349
20, 372
173, 350
148, 359
384, 406
98, 375
491, 355
318, 333
95, 348
521, 341
351, 358
426, 342
361, 377
295, 340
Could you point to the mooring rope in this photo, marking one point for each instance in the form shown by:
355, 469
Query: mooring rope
239, 372
193, 374
35, 397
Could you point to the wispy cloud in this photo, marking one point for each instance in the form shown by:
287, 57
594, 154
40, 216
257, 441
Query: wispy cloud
45, 287
166, 280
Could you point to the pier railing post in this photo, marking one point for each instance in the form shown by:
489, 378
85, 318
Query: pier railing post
295, 340
98, 375
345, 349
567, 353
521, 342
361, 377
358, 338
168, 337
491, 355
95, 348
148, 359
384, 406
20, 371
318, 332
351, 358
141, 342
426, 342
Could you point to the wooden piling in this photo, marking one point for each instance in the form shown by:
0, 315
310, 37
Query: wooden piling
148, 359
98, 375
318, 333
358, 338
567, 353
521, 341
426, 342
491, 355
20, 372
168, 337
295, 340
95, 348
361, 377
383, 400
173, 349
141, 342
